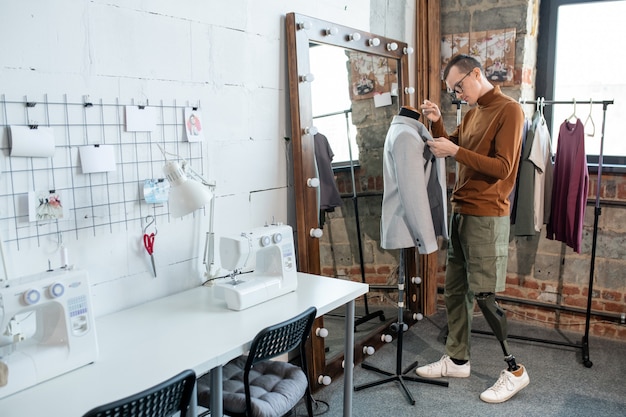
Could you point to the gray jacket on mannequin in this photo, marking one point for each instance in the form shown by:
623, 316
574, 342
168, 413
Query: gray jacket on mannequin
413, 214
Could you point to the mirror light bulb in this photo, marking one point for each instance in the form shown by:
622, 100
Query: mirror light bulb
356, 36
313, 182
305, 25
310, 130
331, 31
321, 332
324, 380
407, 50
392, 46
373, 42
307, 78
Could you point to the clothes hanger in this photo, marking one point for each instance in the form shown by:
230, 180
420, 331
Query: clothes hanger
573, 118
590, 119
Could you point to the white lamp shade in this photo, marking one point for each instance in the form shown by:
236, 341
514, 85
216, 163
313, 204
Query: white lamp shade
186, 195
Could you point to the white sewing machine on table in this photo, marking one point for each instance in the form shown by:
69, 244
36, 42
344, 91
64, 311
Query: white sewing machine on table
46, 328
269, 251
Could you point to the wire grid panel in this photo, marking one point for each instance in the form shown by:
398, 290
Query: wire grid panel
95, 203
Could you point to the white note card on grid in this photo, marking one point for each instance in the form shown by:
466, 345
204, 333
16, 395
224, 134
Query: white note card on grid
38, 143
97, 158
140, 119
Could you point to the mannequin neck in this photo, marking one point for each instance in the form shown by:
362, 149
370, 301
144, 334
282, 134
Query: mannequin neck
409, 112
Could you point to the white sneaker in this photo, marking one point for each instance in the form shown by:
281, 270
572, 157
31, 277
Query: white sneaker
506, 386
444, 367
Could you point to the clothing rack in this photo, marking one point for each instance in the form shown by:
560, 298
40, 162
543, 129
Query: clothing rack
597, 212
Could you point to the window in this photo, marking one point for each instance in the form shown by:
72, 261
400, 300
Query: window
580, 58
331, 103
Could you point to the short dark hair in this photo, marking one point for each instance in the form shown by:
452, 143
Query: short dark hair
465, 63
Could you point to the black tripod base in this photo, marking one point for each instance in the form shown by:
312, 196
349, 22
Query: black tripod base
400, 378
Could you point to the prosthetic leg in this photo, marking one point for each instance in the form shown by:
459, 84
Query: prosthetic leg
497, 321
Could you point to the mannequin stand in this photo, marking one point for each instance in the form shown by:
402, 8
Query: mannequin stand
399, 375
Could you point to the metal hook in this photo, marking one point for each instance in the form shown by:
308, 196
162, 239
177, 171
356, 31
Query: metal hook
150, 220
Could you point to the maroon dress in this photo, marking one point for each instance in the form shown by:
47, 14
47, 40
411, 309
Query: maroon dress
570, 186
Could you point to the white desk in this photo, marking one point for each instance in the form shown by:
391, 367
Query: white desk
147, 344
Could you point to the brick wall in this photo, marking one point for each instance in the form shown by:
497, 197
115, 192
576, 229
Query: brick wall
542, 270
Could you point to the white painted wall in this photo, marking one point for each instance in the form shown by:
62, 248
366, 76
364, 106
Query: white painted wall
229, 55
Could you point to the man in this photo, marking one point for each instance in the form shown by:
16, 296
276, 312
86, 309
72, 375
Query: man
486, 146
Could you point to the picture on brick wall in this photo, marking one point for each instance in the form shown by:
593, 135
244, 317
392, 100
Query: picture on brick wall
371, 75
494, 49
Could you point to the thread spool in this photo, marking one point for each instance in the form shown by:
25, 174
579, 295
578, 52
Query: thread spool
64, 257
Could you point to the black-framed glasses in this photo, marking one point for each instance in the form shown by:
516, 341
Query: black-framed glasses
458, 87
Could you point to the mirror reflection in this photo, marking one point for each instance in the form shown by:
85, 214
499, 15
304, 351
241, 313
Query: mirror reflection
354, 98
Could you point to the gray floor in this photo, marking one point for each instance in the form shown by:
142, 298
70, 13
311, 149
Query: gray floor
559, 383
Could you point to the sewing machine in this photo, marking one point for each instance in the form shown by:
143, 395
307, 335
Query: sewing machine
46, 328
269, 253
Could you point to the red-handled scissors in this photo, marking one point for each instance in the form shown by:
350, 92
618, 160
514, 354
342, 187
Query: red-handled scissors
148, 242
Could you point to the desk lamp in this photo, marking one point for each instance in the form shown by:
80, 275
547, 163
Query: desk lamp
189, 191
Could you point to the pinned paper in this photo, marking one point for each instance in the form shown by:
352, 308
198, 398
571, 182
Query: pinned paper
155, 191
97, 158
193, 125
140, 119
37, 143
46, 205
383, 99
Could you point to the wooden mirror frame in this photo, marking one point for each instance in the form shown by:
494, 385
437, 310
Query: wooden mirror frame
302, 31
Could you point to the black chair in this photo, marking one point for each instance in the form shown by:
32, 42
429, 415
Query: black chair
254, 385
162, 400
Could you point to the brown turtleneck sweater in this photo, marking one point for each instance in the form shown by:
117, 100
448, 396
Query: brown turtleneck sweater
490, 140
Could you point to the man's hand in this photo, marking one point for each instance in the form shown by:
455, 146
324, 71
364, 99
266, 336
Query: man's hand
430, 110
442, 147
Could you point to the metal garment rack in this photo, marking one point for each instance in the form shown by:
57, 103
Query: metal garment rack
584, 345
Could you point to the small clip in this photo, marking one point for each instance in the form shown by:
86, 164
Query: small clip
87, 102
30, 104
196, 107
96, 145
33, 127
51, 191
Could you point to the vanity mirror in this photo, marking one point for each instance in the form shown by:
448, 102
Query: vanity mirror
345, 86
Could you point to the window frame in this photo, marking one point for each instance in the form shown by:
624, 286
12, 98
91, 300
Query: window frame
544, 86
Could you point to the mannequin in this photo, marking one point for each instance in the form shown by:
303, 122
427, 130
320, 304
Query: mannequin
413, 212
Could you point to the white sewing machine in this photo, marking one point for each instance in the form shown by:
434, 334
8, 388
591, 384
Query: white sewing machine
269, 251
46, 328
